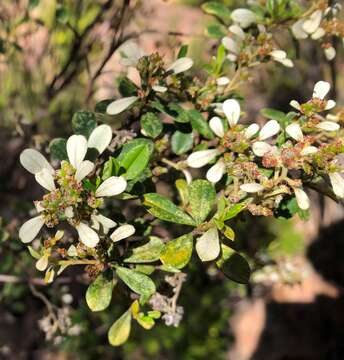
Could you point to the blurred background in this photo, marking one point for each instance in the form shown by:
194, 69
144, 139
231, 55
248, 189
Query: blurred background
58, 57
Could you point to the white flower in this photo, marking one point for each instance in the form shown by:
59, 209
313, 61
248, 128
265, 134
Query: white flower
200, 158
159, 88
215, 173
311, 24
118, 106
216, 126
131, 53
45, 179
181, 65
231, 108
31, 228
251, 131
232, 46
294, 131
302, 199
112, 186
222, 81
271, 128
84, 169
238, 31
298, 31
252, 187
260, 148
337, 183
281, 57
330, 53
33, 161
100, 138
295, 104
328, 126
243, 17
309, 150
122, 232
208, 245
87, 235
318, 34
321, 89
107, 223
42, 263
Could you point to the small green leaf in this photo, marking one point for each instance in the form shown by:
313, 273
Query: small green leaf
199, 124
147, 253
164, 209
145, 321
120, 330
183, 191
183, 51
33, 3
110, 168
58, 149
233, 211
135, 156
177, 253
84, 122
181, 142
215, 31
99, 293
202, 197
62, 14
178, 113
126, 87
274, 114
136, 281
151, 125
217, 9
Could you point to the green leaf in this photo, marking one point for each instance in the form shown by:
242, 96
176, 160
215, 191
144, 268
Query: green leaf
62, 14
135, 156
177, 253
84, 122
274, 114
234, 266
99, 293
217, 9
151, 125
33, 3
183, 51
215, 31
147, 253
126, 87
183, 191
202, 196
181, 142
164, 209
208, 245
58, 149
111, 167
178, 113
101, 106
145, 321
120, 330
136, 281
233, 211
199, 124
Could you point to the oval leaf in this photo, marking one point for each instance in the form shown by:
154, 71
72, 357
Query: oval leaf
177, 253
147, 253
99, 293
120, 330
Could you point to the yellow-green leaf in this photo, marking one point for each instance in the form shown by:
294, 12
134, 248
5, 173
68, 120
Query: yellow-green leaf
99, 293
177, 252
120, 330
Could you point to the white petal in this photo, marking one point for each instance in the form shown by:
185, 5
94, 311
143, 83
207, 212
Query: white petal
328, 126
76, 149
332, 117
122, 232
231, 108
45, 179
87, 235
243, 17
117, 106
302, 199
187, 175
294, 131
31, 228
313, 22
215, 173
201, 158
278, 54
337, 183
230, 45
297, 30
286, 62
131, 53
330, 104
42, 263
309, 150
105, 221
69, 212
232, 57
318, 34
216, 126
100, 138
112, 186
330, 53
208, 245
33, 161
222, 81
238, 31
251, 131
181, 65
38, 206
83, 170
160, 89
260, 148
252, 187
295, 104
270, 129
321, 89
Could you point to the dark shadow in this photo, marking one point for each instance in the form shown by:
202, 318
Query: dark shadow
310, 331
